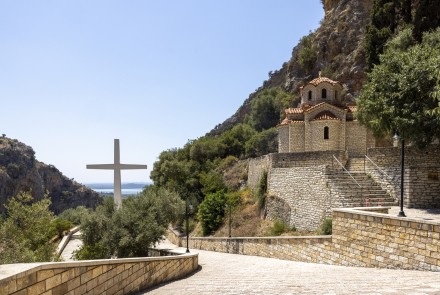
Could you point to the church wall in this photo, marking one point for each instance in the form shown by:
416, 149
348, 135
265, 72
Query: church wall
317, 135
283, 139
297, 137
305, 190
356, 138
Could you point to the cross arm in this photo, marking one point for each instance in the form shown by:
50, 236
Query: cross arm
101, 166
132, 166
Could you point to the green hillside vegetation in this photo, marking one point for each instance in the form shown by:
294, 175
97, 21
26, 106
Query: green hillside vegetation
29, 231
199, 171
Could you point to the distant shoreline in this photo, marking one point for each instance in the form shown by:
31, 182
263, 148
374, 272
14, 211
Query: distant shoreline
124, 185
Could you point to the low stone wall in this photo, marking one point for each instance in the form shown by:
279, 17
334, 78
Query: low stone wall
112, 276
361, 237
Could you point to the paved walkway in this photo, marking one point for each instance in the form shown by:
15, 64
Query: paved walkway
426, 214
223, 273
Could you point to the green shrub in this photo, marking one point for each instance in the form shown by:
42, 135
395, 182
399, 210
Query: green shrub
74, 215
278, 228
211, 212
59, 226
326, 227
13, 170
308, 53
262, 189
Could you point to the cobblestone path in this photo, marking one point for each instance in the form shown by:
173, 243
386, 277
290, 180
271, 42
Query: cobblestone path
238, 274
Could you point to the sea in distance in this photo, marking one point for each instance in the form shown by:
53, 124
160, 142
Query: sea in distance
127, 189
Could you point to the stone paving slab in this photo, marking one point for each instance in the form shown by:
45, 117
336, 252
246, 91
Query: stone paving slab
426, 214
223, 273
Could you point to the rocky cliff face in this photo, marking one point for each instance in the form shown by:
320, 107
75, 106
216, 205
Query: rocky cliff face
335, 49
20, 171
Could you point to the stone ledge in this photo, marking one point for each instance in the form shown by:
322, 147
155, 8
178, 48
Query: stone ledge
367, 211
24, 269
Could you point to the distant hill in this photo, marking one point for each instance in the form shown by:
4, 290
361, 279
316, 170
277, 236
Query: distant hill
20, 171
336, 49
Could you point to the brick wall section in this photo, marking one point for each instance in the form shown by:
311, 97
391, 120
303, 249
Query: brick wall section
422, 174
361, 237
116, 276
283, 139
306, 159
305, 191
256, 167
377, 240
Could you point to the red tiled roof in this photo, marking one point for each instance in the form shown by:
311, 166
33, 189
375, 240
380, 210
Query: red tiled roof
287, 122
319, 80
325, 115
315, 106
294, 111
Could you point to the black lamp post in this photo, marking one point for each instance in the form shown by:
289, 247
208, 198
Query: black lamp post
187, 208
230, 219
402, 171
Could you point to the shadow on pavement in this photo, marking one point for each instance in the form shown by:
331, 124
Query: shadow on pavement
199, 268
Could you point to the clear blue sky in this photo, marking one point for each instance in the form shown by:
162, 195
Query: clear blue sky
76, 74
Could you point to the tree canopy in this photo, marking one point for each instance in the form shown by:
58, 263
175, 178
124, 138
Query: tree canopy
403, 92
130, 231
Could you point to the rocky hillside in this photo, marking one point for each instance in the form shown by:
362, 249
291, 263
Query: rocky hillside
335, 49
20, 171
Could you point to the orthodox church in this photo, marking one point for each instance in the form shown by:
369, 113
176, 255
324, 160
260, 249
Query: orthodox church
323, 121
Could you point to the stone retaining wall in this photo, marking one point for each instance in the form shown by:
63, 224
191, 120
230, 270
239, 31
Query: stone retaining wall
305, 190
361, 237
112, 276
422, 174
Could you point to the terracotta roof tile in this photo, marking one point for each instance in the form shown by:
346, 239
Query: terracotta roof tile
326, 115
287, 122
319, 80
294, 111
315, 106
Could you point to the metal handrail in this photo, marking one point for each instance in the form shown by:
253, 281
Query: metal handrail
346, 171
377, 167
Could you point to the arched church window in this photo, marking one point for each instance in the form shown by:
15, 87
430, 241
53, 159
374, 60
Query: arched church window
324, 93
326, 135
336, 94
310, 94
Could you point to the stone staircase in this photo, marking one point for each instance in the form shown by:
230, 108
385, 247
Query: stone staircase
355, 165
364, 192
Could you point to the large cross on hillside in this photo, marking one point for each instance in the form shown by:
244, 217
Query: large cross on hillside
116, 167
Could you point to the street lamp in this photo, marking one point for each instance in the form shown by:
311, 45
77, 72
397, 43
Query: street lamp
188, 207
402, 171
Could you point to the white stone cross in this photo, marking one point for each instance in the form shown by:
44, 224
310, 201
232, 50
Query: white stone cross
116, 167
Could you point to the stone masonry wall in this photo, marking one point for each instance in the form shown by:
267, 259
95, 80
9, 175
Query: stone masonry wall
422, 171
296, 138
113, 276
283, 139
304, 190
306, 159
356, 138
256, 167
317, 133
277, 209
360, 238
